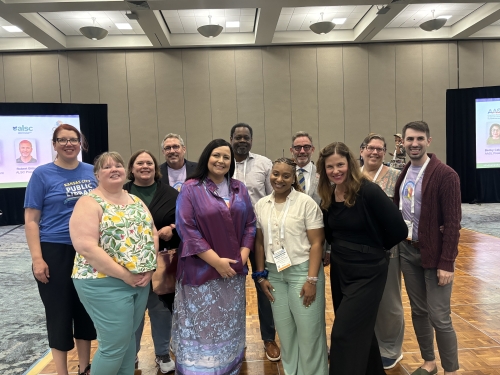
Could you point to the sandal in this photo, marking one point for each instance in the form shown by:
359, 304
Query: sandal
85, 372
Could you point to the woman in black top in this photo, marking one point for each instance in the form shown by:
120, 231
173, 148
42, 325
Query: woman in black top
362, 224
145, 176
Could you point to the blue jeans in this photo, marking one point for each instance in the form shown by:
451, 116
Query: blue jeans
161, 325
116, 309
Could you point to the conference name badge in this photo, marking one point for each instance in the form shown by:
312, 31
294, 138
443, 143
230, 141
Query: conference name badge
281, 259
409, 224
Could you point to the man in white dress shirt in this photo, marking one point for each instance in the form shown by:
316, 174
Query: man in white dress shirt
253, 170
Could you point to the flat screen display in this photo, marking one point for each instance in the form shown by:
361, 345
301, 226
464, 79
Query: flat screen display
488, 133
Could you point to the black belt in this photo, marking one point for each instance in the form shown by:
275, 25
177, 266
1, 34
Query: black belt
415, 244
358, 247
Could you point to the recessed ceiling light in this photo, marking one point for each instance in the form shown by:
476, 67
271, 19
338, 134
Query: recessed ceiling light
12, 29
124, 26
339, 21
233, 24
447, 17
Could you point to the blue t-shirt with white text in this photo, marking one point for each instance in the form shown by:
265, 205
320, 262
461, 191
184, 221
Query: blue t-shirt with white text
54, 191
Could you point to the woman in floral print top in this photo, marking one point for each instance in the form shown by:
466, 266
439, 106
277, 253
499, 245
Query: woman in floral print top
116, 242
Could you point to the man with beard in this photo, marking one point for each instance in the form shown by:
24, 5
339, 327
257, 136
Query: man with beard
302, 150
25, 149
253, 170
176, 169
428, 195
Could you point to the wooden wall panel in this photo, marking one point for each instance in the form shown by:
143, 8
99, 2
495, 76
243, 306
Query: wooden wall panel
222, 73
408, 84
250, 94
113, 92
17, 78
491, 62
45, 78
435, 84
304, 91
330, 96
471, 64
141, 102
169, 94
2, 82
83, 81
356, 95
382, 78
64, 77
276, 63
197, 101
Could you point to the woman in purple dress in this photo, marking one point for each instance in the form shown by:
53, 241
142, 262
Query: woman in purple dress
216, 224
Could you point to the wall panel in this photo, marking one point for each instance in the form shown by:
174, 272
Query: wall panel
356, 95
169, 94
471, 64
435, 84
64, 78
330, 96
222, 73
453, 64
276, 63
45, 78
382, 78
304, 90
2, 82
250, 94
113, 92
17, 77
197, 101
141, 102
83, 81
491, 62
408, 83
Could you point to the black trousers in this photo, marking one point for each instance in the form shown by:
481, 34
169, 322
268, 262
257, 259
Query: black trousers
357, 288
66, 317
266, 320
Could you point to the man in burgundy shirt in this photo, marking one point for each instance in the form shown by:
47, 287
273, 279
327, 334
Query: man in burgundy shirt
428, 195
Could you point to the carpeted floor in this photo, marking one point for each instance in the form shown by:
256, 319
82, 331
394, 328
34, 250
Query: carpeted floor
22, 323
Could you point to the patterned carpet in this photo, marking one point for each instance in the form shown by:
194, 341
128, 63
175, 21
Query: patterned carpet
23, 339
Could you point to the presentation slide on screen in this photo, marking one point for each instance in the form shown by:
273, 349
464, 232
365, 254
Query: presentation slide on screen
488, 133
26, 143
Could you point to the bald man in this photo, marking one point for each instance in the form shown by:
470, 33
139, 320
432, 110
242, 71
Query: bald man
25, 149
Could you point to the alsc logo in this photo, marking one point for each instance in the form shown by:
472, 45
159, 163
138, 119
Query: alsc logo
23, 129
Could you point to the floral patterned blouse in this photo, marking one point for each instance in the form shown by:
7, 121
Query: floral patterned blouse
126, 234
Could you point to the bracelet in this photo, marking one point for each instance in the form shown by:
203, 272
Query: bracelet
261, 274
312, 282
260, 280
312, 278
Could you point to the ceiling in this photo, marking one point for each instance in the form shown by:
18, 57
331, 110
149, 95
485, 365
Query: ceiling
55, 24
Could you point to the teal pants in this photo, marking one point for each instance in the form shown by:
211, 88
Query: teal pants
116, 309
301, 330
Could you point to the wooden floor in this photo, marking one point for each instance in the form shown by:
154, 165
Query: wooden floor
475, 314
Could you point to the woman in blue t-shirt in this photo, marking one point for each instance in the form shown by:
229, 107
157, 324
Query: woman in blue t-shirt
50, 197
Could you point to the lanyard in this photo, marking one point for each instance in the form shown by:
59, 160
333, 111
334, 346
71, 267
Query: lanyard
378, 172
244, 172
412, 210
282, 225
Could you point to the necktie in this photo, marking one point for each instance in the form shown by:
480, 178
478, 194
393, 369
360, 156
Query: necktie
302, 179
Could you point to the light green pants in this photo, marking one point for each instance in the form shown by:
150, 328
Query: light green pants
116, 309
301, 330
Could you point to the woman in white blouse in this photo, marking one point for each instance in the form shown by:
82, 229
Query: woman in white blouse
288, 252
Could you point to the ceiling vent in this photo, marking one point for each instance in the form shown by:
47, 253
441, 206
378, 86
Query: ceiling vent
138, 5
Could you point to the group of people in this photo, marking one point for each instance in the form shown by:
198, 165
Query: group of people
94, 252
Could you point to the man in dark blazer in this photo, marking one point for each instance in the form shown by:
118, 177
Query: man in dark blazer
176, 169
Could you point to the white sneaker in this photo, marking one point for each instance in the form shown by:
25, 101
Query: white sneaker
166, 363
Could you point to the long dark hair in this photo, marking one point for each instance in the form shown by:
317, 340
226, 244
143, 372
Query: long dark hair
201, 171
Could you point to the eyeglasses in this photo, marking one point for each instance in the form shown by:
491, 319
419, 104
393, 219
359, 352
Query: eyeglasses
174, 147
305, 147
64, 141
376, 149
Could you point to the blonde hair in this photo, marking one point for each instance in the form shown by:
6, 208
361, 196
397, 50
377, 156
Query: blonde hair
353, 179
103, 158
